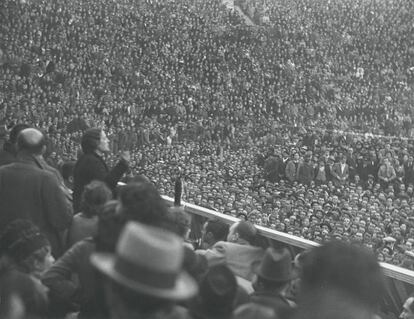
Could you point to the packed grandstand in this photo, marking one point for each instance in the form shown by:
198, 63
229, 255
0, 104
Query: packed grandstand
299, 121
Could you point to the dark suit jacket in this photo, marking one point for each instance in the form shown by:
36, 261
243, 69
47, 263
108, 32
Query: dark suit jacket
91, 167
338, 173
282, 307
409, 173
27, 192
305, 173
63, 291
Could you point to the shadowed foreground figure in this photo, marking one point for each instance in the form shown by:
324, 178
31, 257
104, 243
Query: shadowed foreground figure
24, 257
273, 278
340, 281
144, 278
29, 192
217, 296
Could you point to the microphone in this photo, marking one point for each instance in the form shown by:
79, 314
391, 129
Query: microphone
178, 190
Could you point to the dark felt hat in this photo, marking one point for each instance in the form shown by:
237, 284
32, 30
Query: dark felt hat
276, 266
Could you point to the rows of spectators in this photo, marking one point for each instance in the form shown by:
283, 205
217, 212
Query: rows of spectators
190, 71
132, 257
189, 90
358, 55
302, 189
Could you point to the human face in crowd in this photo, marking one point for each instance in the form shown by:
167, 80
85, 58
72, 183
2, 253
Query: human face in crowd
354, 228
41, 266
358, 236
296, 157
103, 145
347, 222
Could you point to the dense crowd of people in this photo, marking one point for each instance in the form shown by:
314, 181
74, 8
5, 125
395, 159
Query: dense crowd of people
304, 128
200, 75
133, 257
355, 57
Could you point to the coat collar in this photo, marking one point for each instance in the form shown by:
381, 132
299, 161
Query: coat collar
28, 159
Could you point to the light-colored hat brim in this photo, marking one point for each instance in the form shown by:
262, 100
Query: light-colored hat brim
185, 287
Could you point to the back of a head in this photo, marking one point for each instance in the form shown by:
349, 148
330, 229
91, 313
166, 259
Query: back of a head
141, 178
15, 132
247, 231
94, 197
332, 303
351, 270
90, 140
218, 289
141, 202
110, 225
32, 141
218, 229
179, 221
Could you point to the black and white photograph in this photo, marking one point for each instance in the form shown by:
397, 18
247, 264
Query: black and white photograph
207, 159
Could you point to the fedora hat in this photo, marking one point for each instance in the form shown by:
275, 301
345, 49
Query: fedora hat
148, 260
276, 266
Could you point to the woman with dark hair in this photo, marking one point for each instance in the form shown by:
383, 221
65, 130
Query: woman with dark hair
95, 195
141, 201
91, 166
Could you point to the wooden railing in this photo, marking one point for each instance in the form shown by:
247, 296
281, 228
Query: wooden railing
392, 271
400, 281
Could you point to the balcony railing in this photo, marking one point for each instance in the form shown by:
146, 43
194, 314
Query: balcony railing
400, 281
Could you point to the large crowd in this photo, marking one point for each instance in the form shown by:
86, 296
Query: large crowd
354, 59
301, 123
187, 85
126, 254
